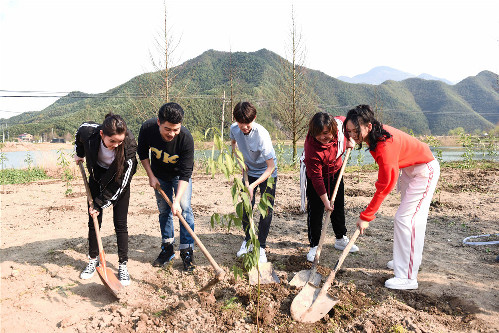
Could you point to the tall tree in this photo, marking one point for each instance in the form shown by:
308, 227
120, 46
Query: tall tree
296, 101
156, 89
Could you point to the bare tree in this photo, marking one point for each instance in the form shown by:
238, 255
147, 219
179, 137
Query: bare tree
296, 101
155, 88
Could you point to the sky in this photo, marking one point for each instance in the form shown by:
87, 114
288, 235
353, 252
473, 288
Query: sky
53, 47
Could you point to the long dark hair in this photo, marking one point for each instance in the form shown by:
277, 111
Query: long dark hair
319, 120
113, 124
363, 115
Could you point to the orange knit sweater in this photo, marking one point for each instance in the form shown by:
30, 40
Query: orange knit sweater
399, 151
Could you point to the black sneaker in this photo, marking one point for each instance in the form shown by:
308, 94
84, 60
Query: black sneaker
165, 256
187, 256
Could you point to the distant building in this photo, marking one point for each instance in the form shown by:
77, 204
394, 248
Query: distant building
25, 137
58, 140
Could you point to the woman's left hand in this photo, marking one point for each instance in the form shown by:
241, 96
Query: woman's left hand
362, 225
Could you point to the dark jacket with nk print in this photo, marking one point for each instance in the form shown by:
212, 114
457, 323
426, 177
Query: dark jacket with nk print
168, 159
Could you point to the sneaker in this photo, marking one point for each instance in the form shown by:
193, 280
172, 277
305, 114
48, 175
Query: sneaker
311, 254
390, 264
341, 243
243, 249
263, 256
89, 271
187, 256
166, 255
123, 275
401, 283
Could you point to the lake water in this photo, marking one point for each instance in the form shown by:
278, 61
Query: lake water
49, 158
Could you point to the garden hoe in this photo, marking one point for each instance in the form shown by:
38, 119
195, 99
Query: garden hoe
311, 276
219, 272
312, 303
264, 273
106, 274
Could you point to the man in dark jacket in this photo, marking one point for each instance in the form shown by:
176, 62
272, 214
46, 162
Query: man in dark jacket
170, 166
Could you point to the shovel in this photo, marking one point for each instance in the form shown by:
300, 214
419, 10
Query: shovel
312, 303
263, 273
219, 273
304, 276
106, 274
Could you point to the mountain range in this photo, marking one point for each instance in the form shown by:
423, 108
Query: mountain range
380, 74
421, 105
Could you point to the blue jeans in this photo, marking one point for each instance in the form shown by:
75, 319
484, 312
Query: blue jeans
166, 216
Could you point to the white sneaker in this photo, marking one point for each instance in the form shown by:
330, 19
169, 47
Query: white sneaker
89, 271
390, 264
243, 249
341, 243
401, 283
123, 275
311, 254
263, 256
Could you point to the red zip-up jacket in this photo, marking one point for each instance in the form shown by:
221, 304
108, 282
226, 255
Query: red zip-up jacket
398, 152
321, 160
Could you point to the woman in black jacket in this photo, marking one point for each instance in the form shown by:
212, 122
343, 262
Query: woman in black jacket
109, 150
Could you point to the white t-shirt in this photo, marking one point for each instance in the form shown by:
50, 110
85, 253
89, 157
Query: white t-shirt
256, 148
105, 157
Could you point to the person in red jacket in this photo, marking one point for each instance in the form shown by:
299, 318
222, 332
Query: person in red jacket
323, 149
396, 153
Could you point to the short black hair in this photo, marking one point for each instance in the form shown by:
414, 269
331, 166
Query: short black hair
244, 112
171, 112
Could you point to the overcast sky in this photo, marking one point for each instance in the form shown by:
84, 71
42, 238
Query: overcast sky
57, 46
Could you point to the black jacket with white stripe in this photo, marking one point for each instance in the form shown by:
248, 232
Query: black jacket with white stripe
87, 144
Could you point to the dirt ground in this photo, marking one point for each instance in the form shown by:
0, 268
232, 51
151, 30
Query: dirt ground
44, 248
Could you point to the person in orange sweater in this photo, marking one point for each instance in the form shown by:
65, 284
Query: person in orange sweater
396, 153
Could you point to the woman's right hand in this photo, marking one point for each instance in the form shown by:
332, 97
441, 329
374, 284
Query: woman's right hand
79, 159
93, 211
329, 206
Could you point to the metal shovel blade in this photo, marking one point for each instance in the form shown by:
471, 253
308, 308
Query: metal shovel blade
267, 274
110, 280
307, 307
302, 277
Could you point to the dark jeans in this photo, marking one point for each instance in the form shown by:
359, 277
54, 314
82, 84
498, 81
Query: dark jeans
315, 210
264, 224
120, 213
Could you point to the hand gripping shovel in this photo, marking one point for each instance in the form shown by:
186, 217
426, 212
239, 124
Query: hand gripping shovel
219, 273
312, 303
264, 272
305, 276
106, 274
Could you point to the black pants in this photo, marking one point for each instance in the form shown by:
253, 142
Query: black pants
264, 224
315, 210
120, 213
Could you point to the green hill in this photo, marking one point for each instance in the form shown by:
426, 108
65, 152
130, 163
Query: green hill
420, 105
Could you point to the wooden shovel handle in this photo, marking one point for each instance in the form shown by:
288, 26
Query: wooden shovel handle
219, 271
328, 214
336, 268
102, 256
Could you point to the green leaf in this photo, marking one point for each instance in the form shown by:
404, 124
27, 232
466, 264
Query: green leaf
263, 209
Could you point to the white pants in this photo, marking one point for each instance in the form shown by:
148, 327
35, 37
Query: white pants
417, 185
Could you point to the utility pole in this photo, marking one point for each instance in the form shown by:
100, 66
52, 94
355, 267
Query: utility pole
223, 115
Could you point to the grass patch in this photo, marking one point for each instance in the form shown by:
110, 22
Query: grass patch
21, 176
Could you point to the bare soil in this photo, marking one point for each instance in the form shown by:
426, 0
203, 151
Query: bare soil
44, 248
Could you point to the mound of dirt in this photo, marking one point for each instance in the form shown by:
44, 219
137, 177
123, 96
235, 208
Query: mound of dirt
44, 249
